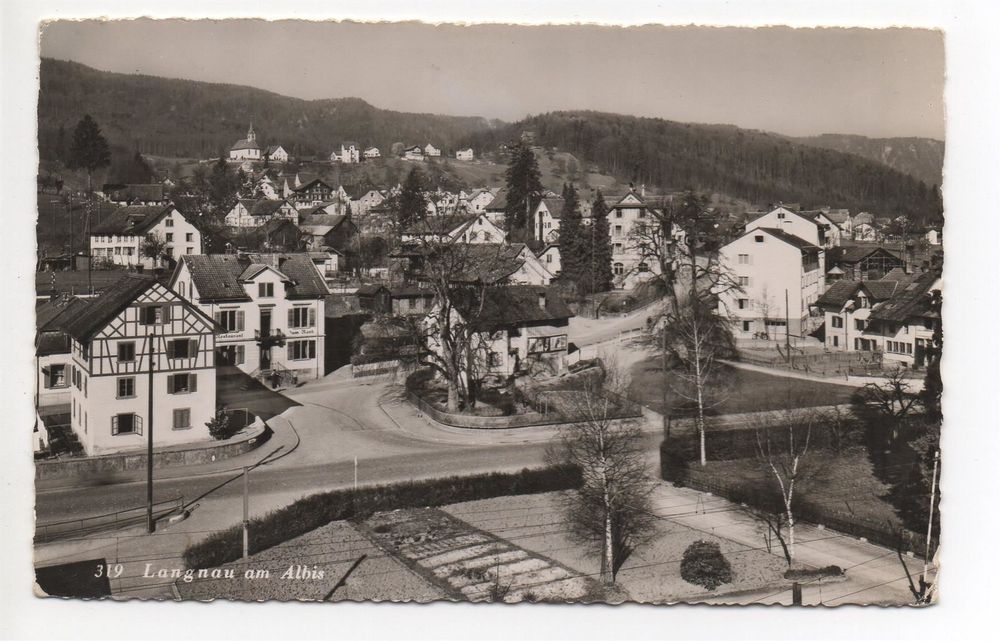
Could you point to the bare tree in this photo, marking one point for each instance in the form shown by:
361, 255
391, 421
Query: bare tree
611, 511
694, 338
783, 449
892, 396
154, 247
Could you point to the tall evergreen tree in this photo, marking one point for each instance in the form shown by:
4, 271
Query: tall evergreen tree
601, 275
574, 245
89, 150
412, 206
524, 189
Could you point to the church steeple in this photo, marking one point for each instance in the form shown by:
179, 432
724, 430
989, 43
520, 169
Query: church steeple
251, 136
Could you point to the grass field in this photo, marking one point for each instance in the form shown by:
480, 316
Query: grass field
735, 391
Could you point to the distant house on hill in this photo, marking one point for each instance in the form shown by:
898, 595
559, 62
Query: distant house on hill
349, 152
465, 154
276, 153
413, 153
372, 152
139, 194
246, 148
314, 192
253, 213
432, 151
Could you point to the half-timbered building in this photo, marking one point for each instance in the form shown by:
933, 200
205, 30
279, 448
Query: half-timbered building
140, 339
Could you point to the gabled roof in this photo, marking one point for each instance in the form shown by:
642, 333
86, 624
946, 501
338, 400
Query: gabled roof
911, 300
243, 143
499, 202
504, 306
100, 310
273, 148
791, 239
262, 206
307, 184
851, 254
326, 220
134, 220
218, 277
438, 225
51, 320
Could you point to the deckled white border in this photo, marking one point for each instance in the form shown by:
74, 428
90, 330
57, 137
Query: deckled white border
971, 436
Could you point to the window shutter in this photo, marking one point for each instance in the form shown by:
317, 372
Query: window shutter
170, 384
218, 318
291, 317
239, 320
312, 317
312, 349
137, 424
193, 379
240, 355
166, 313
192, 347
114, 425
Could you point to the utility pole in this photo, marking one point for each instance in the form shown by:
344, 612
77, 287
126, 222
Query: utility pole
788, 331
246, 513
90, 259
930, 519
150, 525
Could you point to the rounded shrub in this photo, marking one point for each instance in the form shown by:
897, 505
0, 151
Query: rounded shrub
703, 564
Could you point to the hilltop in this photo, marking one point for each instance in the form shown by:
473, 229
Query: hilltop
922, 158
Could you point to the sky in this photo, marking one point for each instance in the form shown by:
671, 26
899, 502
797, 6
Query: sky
799, 82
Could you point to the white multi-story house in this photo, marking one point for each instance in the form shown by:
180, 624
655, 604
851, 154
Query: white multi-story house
254, 213
350, 152
630, 262
276, 153
551, 260
246, 148
847, 305
372, 153
831, 232
269, 308
791, 222
546, 219
413, 153
477, 202
110, 387
779, 276
120, 239
465, 154
269, 187
431, 151
364, 203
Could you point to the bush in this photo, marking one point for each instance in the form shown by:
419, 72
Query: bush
704, 565
221, 426
803, 574
317, 510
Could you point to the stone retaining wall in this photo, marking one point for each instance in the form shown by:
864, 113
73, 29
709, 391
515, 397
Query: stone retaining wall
109, 464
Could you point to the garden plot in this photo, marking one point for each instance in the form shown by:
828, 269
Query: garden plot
473, 564
536, 523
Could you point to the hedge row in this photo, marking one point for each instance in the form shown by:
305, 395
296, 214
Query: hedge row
317, 510
729, 444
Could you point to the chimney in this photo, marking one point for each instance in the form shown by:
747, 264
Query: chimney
541, 299
642, 190
910, 257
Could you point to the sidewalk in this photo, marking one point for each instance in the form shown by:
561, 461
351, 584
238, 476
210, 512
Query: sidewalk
874, 573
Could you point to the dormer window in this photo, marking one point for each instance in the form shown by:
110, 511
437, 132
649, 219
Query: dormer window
265, 290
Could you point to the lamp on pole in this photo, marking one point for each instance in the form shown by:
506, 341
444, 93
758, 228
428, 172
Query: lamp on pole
150, 525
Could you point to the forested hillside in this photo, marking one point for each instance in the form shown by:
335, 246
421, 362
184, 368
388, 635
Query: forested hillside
922, 158
184, 118
757, 166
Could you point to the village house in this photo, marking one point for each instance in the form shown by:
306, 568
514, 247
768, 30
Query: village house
831, 232
314, 192
779, 276
847, 305
476, 203
365, 202
902, 327
860, 262
120, 239
266, 307
398, 300
276, 153
246, 148
431, 151
465, 154
254, 213
141, 194
413, 153
521, 328
277, 234
863, 227
791, 222
371, 153
350, 152
630, 262
268, 186
325, 230
112, 340
496, 208
550, 258
53, 356
933, 236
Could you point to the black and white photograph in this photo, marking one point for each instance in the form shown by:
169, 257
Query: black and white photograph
407, 312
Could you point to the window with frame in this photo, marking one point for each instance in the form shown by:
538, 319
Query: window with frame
301, 350
154, 314
190, 250
170, 237
299, 317
126, 423
744, 259
859, 324
747, 326
781, 216
231, 320
169, 222
265, 290
125, 387
758, 239
837, 321
743, 303
618, 231
182, 418
182, 383
182, 348
618, 269
744, 281
126, 352
55, 376
189, 237
618, 213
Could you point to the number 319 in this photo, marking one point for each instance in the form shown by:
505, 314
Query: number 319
113, 571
